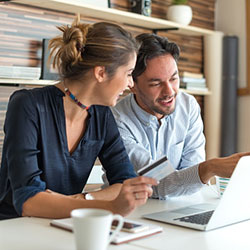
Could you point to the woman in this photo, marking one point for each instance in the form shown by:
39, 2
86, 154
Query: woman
54, 134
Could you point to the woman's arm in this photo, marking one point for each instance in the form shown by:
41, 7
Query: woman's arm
108, 193
134, 192
55, 205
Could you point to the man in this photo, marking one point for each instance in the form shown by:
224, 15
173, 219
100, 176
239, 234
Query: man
159, 120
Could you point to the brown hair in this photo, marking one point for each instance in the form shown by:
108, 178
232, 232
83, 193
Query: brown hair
151, 46
84, 46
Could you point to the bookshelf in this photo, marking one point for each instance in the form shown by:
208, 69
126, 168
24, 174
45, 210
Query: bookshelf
78, 6
212, 41
10, 81
196, 92
14, 81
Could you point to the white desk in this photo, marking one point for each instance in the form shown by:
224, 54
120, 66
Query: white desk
35, 233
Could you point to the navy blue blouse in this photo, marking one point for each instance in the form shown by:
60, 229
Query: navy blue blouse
35, 152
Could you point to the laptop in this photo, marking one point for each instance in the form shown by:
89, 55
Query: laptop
233, 207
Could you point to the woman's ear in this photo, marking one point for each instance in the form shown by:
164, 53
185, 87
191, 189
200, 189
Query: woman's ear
100, 73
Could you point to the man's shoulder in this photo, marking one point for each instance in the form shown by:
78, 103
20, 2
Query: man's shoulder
123, 107
125, 115
186, 97
186, 101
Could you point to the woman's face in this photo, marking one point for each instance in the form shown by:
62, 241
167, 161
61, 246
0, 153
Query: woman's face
119, 82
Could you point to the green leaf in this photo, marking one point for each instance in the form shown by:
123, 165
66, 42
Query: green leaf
178, 2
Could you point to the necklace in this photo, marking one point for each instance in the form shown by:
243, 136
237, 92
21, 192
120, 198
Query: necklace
67, 91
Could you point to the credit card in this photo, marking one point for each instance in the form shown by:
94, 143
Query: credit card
158, 170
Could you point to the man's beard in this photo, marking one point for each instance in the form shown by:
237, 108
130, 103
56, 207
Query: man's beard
168, 110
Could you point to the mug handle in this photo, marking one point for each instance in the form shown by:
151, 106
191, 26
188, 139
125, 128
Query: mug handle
215, 188
120, 220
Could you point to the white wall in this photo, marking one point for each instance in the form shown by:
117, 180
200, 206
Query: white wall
230, 18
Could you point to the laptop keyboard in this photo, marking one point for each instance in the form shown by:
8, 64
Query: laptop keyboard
201, 218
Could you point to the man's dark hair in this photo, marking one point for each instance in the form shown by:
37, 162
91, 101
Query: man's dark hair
152, 46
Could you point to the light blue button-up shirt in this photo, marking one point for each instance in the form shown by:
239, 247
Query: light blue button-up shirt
179, 136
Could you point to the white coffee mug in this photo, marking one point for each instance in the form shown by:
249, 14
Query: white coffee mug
91, 227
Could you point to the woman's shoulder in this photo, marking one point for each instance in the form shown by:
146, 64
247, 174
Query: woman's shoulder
33, 93
25, 98
18, 97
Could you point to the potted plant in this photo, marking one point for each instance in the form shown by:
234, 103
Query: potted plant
179, 12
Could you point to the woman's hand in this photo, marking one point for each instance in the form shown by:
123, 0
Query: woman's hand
134, 192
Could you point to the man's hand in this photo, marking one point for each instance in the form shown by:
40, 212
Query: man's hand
222, 167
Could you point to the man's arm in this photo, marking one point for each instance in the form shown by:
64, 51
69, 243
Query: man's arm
185, 156
223, 166
193, 151
181, 182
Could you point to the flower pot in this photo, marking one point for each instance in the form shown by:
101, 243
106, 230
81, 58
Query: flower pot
180, 14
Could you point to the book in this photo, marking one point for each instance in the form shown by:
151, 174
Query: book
121, 237
47, 70
193, 80
187, 85
190, 74
20, 72
196, 89
197, 84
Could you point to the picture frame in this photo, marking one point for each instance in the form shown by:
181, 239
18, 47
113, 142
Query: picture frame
47, 71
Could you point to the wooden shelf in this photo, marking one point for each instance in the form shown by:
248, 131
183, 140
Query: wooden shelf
212, 57
26, 81
78, 6
196, 92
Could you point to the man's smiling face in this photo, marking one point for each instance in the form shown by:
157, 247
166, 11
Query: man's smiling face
156, 88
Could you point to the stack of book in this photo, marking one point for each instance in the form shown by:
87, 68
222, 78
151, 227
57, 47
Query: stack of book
18, 72
193, 81
223, 182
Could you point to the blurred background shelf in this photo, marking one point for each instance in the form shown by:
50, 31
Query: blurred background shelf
10, 81
78, 6
14, 81
196, 92
25, 23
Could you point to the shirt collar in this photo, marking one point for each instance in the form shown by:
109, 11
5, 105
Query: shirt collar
144, 116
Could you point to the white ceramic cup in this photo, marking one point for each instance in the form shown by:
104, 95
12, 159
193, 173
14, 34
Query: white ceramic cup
91, 227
